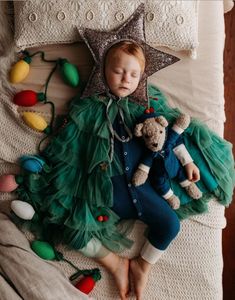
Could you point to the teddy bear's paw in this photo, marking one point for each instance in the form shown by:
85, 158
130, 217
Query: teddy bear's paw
193, 191
174, 202
183, 121
139, 177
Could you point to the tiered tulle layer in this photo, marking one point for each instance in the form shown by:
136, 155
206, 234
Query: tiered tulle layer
77, 188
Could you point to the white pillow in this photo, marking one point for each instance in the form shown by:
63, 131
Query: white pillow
168, 23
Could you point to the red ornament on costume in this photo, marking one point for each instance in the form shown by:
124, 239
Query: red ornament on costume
105, 218
100, 218
149, 110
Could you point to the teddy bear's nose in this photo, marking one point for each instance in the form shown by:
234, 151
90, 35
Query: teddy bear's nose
155, 144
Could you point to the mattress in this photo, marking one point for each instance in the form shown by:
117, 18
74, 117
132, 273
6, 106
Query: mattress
192, 266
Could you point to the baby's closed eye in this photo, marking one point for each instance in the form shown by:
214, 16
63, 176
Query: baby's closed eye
135, 75
117, 71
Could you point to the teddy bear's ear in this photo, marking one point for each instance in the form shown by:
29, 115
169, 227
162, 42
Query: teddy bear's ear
138, 130
162, 120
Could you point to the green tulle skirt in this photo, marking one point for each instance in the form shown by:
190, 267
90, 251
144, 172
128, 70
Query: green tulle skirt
73, 190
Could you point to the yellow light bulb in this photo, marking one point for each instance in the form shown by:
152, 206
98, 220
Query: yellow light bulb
20, 70
34, 121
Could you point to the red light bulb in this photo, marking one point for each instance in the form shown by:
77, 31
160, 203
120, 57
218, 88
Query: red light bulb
28, 98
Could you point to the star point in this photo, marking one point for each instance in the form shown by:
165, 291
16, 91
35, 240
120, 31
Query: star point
99, 42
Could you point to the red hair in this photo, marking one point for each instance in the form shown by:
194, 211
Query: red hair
130, 48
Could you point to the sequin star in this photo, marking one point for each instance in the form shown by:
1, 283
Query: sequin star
133, 30
104, 166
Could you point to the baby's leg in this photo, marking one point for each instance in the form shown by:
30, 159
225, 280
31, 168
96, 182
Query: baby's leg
119, 268
163, 227
140, 267
116, 265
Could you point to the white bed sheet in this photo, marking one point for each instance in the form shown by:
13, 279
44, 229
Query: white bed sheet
192, 266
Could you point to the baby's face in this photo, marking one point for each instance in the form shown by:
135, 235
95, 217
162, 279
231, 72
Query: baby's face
122, 73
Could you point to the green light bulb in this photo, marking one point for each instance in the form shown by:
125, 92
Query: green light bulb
69, 72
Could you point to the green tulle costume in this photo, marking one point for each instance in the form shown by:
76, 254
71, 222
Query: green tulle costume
74, 189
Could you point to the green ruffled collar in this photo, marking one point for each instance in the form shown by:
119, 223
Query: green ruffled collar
95, 108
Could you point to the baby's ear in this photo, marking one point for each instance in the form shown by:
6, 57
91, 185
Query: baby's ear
162, 120
138, 130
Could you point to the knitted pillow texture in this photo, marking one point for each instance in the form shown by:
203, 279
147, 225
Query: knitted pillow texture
173, 24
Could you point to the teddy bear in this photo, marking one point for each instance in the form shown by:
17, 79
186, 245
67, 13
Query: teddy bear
159, 158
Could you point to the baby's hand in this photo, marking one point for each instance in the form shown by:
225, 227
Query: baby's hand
192, 171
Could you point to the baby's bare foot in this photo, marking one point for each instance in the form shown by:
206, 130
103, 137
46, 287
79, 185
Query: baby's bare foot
120, 272
139, 272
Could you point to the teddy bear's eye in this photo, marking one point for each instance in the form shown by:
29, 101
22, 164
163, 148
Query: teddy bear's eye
147, 136
161, 131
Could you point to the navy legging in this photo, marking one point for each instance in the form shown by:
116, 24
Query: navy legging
145, 204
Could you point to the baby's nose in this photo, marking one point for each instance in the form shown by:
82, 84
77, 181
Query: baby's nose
126, 78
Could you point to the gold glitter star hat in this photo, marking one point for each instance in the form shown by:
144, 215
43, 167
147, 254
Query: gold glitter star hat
99, 42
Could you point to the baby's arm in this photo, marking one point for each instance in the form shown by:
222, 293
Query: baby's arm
186, 160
